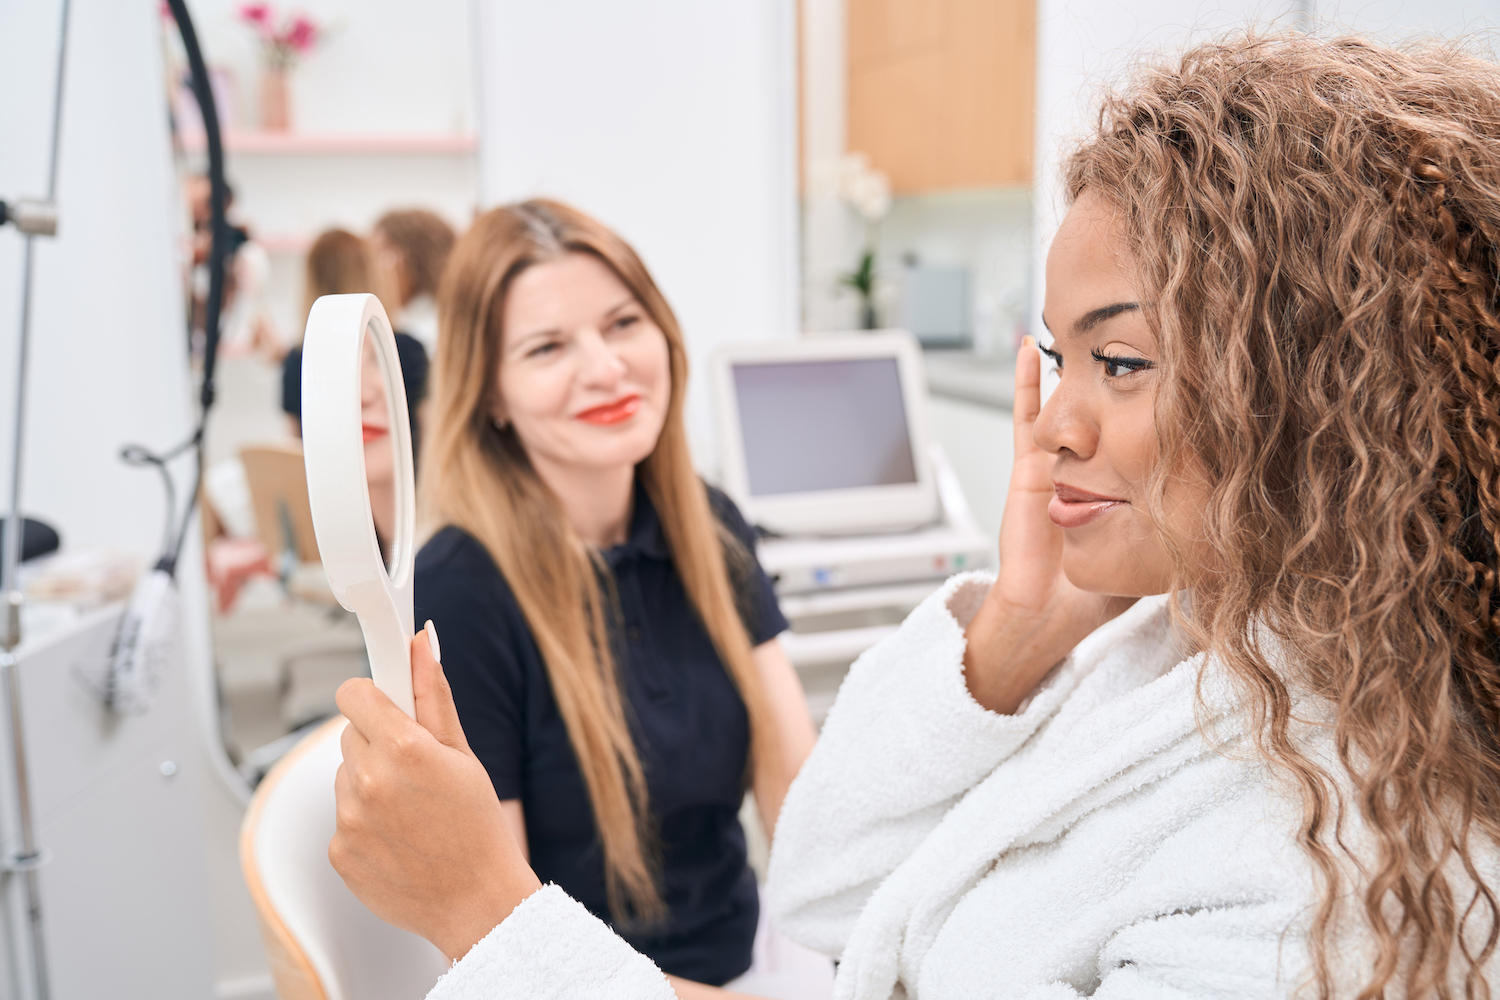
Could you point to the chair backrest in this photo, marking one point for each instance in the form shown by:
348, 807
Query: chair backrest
278, 492
321, 941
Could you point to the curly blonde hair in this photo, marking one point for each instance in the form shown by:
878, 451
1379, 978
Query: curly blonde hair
1314, 225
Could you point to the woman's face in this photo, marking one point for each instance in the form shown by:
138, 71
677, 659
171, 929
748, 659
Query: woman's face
375, 421
1100, 420
584, 373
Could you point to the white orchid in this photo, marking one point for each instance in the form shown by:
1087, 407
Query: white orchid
866, 189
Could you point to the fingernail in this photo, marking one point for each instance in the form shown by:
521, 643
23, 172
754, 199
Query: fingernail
1028, 341
432, 643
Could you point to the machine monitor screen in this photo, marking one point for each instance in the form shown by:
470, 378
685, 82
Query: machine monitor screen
823, 425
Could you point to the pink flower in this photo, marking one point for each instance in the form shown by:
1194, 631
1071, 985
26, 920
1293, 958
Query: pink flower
302, 34
282, 39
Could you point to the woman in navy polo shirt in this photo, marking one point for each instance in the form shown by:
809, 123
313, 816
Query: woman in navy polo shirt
608, 634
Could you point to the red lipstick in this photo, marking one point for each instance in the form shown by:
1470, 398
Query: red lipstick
616, 412
1071, 507
373, 433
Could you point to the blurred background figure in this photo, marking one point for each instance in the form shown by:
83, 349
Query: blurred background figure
412, 245
246, 325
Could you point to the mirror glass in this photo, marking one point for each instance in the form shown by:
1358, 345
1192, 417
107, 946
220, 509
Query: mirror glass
377, 422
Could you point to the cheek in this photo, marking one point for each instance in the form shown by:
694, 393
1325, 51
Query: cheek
1129, 443
535, 392
649, 365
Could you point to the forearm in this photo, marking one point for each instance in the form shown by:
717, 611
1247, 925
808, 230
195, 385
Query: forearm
785, 748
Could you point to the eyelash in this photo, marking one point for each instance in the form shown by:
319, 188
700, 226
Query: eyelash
1131, 365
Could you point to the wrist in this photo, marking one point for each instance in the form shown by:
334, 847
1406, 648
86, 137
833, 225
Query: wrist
486, 908
1009, 651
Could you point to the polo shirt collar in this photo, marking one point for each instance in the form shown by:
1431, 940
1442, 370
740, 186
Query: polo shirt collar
645, 537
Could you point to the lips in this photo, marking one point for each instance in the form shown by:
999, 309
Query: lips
616, 412
1071, 507
372, 433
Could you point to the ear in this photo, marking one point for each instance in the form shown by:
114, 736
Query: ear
498, 415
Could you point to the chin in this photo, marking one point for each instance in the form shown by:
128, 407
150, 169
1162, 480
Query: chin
625, 451
1102, 569
1113, 573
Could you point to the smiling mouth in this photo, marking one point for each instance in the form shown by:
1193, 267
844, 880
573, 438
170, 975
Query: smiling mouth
617, 412
1071, 507
372, 433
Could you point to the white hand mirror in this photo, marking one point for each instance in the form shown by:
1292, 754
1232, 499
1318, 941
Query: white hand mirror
356, 444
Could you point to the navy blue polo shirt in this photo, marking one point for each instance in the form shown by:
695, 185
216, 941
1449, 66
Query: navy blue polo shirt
689, 723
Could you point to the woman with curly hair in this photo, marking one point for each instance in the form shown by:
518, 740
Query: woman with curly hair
1227, 722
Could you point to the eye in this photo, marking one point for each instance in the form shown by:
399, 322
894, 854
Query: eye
625, 322
1116, 367
1054, 355
543, 349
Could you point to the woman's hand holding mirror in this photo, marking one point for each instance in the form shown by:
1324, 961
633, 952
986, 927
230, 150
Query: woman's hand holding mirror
1033, 615
421, 838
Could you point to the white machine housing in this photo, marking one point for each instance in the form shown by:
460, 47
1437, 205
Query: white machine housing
860, 509
800, 565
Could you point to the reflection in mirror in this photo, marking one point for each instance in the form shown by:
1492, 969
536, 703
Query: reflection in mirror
376, 420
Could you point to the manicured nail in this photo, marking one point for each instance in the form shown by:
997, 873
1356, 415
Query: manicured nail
1028, 341
432, 643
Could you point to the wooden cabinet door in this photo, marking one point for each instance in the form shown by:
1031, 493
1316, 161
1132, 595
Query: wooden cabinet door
941, 92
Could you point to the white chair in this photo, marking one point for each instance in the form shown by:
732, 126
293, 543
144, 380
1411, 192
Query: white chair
324, 945
321, 942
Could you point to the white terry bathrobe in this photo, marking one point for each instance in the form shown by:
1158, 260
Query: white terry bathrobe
1094, 844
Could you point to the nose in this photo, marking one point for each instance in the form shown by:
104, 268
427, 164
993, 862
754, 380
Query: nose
600, 365
1066, 424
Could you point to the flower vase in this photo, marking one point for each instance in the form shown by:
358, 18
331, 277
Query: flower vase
275, 99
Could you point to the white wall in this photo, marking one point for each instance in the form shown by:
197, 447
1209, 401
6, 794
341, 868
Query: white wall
108, 363
1084, 46
673, 121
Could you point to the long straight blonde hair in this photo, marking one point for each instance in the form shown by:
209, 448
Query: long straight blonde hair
476, 476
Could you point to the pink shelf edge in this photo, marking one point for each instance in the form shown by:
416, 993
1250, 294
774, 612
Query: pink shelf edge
319, 142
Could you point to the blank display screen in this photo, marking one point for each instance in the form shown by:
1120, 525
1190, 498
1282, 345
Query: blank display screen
823, 425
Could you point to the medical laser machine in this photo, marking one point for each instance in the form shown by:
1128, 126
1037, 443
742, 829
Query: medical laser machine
825, 449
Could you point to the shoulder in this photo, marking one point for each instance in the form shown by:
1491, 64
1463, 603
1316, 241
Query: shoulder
454, 567
484, 632
728, 514
454, 548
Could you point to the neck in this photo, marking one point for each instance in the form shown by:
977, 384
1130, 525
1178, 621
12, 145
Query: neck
383, 512
596, 502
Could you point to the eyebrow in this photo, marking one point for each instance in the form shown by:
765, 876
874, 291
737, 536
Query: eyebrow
1094, 317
